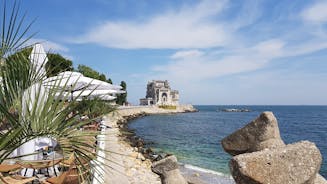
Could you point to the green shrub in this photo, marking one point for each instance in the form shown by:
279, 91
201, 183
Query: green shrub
94, 107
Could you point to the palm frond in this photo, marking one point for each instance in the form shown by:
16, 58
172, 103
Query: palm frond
14, 32
29, 111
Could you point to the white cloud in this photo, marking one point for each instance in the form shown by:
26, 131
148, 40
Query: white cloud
248, 14
306, 47
317, 13
214, 76
49, 45
187, 54
214, 64
270, 48
241, 46
209, 65
189, 27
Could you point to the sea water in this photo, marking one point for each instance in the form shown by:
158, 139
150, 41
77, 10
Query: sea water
195, 137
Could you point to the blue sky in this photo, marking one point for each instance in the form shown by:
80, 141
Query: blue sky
213, 52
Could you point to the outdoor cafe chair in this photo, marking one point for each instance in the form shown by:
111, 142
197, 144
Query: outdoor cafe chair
72, 175
39, 164
91, 127
7, 168
16, 179
72, 162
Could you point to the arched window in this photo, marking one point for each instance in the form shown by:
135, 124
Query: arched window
164, 97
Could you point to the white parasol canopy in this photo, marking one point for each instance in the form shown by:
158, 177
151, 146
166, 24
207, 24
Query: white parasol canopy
38, 59
35, 95
100, 85
33, 103
93, 93
70, 73
68, 83
75, 81
107, 97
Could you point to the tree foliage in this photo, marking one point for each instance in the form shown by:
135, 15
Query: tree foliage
57, 63
102, 77
93, 107
109, 81
25, 52
122, 98
89, 72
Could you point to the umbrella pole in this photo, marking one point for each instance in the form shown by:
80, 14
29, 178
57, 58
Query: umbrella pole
72, 96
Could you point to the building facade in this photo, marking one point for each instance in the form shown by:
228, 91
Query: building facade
159, 93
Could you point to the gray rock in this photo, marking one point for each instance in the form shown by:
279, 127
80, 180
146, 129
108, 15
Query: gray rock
296, 163
168, 170
261, 133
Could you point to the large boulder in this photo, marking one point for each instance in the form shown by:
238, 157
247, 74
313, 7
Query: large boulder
259, 134
168, 170
296, 163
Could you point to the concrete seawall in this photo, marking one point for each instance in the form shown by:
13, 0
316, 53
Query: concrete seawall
132, 110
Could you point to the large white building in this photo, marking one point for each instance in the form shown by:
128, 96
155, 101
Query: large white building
159, 93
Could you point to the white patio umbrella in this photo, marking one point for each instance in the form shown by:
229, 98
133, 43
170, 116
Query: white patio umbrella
100, 85
81, 86
78, 81
93, 93
119, 92
70, 73
67, 83
38, 59
33, 100
107, 97
35, 95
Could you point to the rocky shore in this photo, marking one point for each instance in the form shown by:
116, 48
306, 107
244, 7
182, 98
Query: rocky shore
260, 156
125, 162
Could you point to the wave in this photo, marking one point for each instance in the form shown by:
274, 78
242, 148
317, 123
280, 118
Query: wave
203, 170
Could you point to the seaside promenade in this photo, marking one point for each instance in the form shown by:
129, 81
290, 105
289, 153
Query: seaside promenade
124, 164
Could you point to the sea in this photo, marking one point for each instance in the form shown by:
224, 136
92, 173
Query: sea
195, 137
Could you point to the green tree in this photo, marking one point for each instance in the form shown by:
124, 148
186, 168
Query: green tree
93, 107
88, 71
109, 81
122, 98
102, 77
25, 52
56, 64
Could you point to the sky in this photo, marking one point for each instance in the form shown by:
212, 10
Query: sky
213, 52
